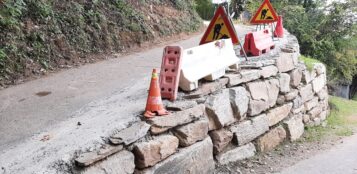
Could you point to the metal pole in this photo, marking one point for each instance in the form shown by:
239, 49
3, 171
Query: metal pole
245, 54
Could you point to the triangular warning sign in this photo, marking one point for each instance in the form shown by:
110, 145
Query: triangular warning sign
265, 14
221, 27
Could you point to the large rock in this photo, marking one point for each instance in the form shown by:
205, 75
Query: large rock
268, 71
86, 159
284, 80
151, 152
297, 102
221, 138
285, 62
294, 127
313, 113
301, 109
273, 91
324, 105
257, 106
306, 93
208, 88
323, 115
323, 94
280, 100
239, 101
248, 130
291, 95
180, 105
119, 163
191, 133
270, 140
243, 77
258, 90
320, 68
197, 158
279, 113
219, 109
131, 134
236, 154
319, 83
307, 77
179, 118
295, 76
311, 104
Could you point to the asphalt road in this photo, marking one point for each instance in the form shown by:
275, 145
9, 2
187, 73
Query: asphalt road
341, 159
24, 114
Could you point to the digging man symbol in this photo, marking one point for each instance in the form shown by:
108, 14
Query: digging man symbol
217, 31
264, 13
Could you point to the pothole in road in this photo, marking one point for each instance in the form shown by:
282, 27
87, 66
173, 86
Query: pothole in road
43, 93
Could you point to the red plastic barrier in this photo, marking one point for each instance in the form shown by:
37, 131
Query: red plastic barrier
258, 43
170, 72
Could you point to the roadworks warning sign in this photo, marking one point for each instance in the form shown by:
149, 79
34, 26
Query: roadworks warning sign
265, 14
220, 27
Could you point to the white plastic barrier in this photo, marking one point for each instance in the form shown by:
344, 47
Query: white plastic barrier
207, 61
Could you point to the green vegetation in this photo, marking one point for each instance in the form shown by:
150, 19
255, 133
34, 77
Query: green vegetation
309, 62
342, 120
205, 9
41, 34
326, 33
355, 97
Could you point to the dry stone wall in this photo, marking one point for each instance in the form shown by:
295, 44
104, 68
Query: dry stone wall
266, 102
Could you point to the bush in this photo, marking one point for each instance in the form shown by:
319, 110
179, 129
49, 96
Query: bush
205, 9
325, 33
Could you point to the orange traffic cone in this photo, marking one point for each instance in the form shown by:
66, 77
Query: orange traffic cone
154, 104
279, 30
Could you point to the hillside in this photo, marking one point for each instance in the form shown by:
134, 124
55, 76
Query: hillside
41, 36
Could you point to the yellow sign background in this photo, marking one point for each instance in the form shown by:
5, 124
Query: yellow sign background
268, 14
223, 31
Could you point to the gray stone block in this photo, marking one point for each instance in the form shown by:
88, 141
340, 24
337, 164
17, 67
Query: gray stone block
285, 62
256, 107
130, 134
197, 158
284, 80
179, 118
236, 154
248, 130
191, 133
243, 77
295, 77
279, 113
319, 83
268, 71
239, 100
219, 109
294, 127
306, 93
153, 151
221, 138
273, 91
270, 140
119, 163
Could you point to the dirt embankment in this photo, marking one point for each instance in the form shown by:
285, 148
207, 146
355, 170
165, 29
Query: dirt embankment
38, 37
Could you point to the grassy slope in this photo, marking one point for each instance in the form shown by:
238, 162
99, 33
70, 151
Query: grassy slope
45, 35
341, 122
309, 62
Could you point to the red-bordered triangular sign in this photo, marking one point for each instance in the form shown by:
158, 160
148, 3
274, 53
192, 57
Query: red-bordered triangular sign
220, 27
265, 14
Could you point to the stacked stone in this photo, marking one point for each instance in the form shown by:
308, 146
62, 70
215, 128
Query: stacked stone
254, 109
